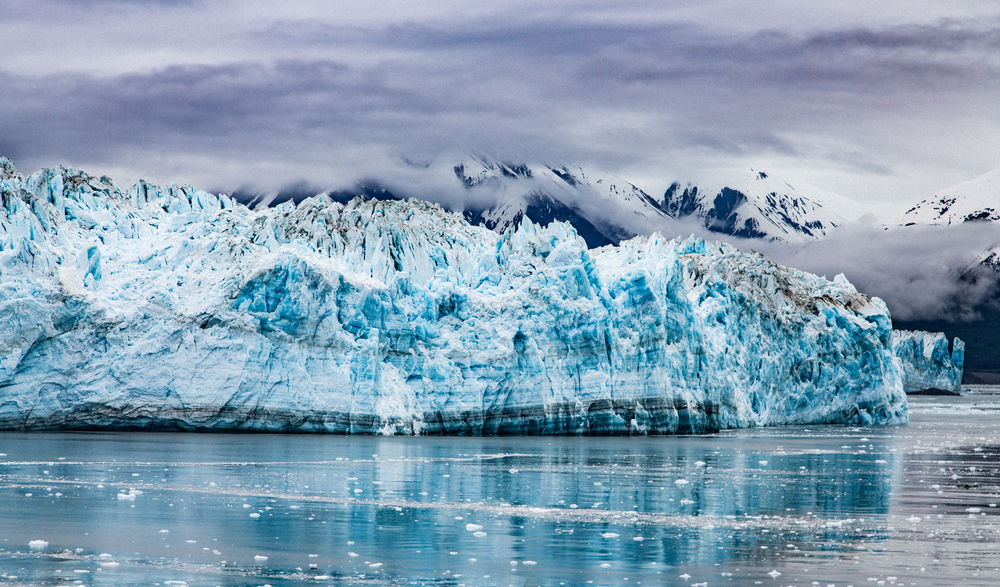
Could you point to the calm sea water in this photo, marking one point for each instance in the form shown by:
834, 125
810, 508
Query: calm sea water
914, 505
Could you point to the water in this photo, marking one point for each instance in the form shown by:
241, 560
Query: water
913, 505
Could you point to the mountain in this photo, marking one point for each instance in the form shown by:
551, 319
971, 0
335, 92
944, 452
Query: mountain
165, 307
757, 205
977, 200
603, 208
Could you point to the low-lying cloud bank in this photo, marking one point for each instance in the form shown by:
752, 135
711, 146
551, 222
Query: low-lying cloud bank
922, 272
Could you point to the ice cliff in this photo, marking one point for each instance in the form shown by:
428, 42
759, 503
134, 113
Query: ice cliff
926, 361
172, 308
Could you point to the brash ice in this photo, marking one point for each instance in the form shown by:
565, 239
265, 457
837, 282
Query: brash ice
172, 308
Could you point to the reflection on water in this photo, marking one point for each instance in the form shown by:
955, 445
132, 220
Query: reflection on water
911, 505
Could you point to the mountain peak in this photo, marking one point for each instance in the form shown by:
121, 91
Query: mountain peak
970, 201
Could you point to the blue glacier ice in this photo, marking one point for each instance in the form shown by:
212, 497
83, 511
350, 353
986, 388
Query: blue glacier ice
172, 308
927, 364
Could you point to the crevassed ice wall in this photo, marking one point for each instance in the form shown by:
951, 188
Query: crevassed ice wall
926, 361
167, 307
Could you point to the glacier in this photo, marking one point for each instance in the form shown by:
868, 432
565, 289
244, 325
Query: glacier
166, 307
926, 361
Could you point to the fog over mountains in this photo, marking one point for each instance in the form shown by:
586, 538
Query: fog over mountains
604, 208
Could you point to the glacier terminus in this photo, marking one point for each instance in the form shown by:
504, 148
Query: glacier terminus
173, 308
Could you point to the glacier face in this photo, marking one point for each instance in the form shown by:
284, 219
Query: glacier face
926, 362
173, 308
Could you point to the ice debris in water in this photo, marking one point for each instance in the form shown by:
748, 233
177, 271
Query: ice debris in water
38, 544
187, 310
130, 496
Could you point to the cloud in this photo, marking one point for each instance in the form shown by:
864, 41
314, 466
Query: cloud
290, 98
922, 272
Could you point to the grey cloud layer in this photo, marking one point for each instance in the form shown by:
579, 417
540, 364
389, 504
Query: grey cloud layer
312, 96
922, 272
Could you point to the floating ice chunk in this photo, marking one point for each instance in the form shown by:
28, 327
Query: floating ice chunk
110, 564
513, 471
164, 531
685, 576
246, 506
375, 565
610, 535
313, 555
699, 463
105, 556
352, 554
175, 583
473, 527
191, 541
529, 563
255, 515
130, 496
681, 482
638, 538
479, 534
762, 463
38, 544
774, 574
259, 557
605, 565
913, 519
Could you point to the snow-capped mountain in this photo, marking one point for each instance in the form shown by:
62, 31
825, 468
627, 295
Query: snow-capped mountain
973, 201
603, 208
606, 209
976, 200
758, 205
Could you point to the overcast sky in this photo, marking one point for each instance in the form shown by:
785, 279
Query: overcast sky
879, 101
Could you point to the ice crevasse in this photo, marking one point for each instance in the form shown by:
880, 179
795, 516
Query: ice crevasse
173, 308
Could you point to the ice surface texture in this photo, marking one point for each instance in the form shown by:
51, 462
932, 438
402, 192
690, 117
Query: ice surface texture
172, 308
926, 362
